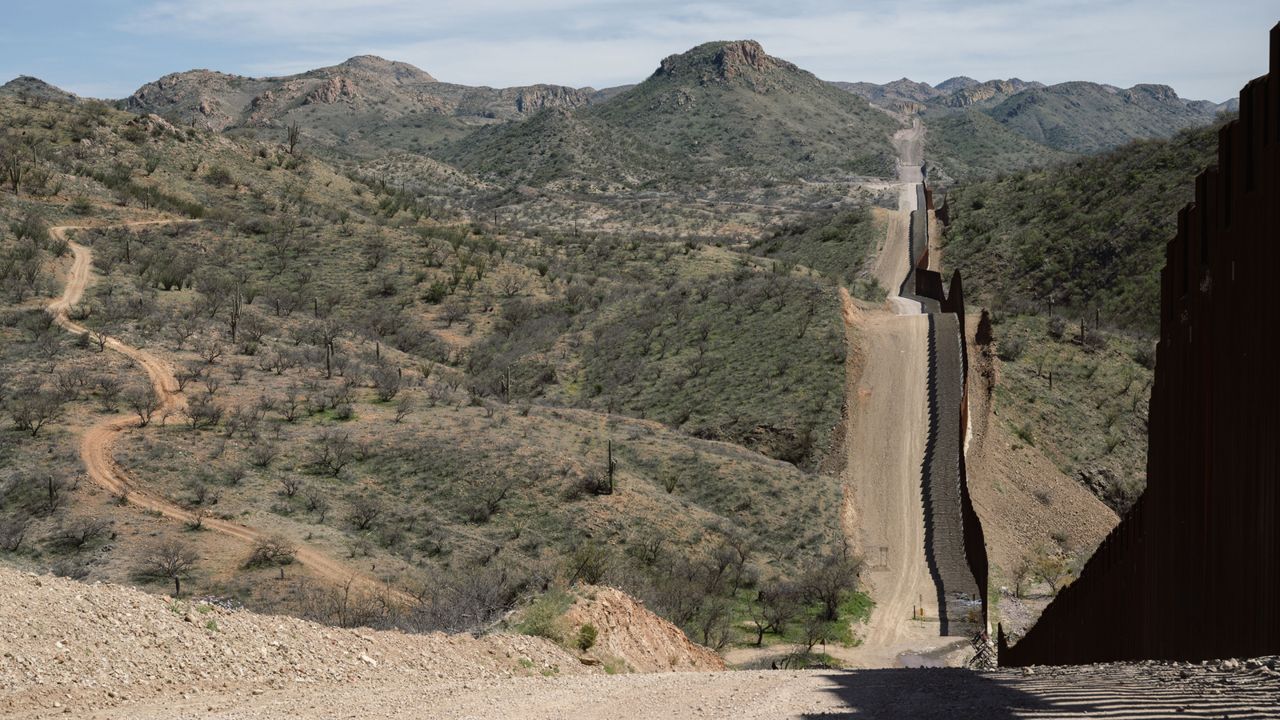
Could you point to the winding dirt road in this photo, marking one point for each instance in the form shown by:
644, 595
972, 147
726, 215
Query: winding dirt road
96, 446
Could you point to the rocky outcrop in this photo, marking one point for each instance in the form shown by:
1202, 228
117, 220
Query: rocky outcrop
344, 103
540, 97
982, 92
721, 62
332, 91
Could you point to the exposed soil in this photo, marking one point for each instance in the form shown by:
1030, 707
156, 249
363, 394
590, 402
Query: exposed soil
886, 408
1024, 501
103, 651
632, 634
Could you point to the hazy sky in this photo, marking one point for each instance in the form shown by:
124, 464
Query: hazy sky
107, 48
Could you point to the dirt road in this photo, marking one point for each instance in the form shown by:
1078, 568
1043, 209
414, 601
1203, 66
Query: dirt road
96, 446
887, 405
106, 651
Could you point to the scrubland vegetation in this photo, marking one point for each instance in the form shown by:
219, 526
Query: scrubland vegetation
472, 410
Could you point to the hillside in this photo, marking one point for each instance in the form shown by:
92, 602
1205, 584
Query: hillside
362, 106
969, 144
1082, 117
982, 129
1088, 234
33, 88
907, 95
723, 110
415, 396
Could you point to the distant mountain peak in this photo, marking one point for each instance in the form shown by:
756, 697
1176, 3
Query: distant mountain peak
1161, 93
720, 62
374, 65
30, 86
958, 82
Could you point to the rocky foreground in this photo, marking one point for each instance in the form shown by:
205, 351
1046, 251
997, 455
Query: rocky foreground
98, 651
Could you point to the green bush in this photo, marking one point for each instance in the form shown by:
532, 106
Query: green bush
586, 637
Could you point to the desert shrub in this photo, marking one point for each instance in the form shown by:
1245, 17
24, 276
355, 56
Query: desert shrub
1009, 349
586, 637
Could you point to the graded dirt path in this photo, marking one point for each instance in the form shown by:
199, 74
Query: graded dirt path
71, 650
888, 421
1116, 692
888, 411
96, 446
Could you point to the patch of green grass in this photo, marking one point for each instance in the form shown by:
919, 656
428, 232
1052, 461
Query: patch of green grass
545, 617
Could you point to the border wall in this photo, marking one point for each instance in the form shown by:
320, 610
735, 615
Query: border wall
1192, 572
955, 548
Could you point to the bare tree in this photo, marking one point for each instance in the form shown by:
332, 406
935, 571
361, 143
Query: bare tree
109, 389
404, 406
332, 452
510, 282
33, 410
386, 380
82, 531
830, 580
375, 250
317, 503
169, 560
365, 511
289, 485
15, 159
275, 551
13, 530
453, 311
144, 401
487, 493
1051, 568
773, 608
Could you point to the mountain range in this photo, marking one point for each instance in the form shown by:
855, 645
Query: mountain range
721, 112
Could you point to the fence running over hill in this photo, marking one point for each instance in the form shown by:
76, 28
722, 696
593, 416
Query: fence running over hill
1192, 572
954, 546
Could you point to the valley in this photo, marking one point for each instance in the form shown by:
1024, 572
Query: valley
476, 397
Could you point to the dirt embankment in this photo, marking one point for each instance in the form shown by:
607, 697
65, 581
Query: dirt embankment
1025, 502
66, 645
631, 633
101, 651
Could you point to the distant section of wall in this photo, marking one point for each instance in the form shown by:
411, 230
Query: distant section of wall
1193, 571
954, 546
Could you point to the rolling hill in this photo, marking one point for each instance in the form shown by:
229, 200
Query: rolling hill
725, 109
979, 129
1089, 118
1089, 233
364, 105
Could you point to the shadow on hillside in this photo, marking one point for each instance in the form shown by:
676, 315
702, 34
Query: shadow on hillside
942, 693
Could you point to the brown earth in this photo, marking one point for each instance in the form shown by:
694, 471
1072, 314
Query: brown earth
100, 651
1022, 498
631, 633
